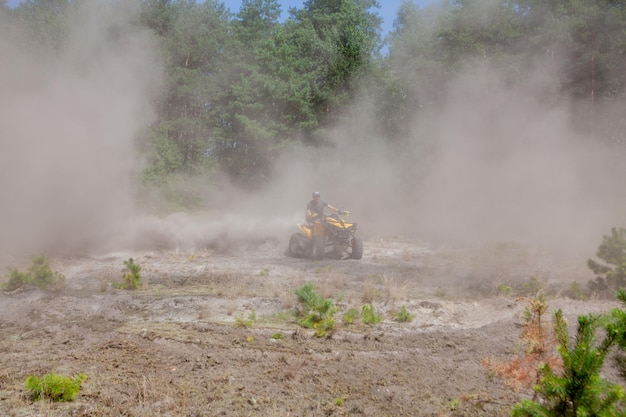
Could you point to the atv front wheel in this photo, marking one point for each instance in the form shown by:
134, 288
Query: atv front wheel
298, 245
357, 248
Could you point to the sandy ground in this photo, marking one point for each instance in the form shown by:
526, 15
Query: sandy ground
178, 346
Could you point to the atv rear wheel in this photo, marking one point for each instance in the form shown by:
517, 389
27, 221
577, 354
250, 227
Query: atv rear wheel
319, 247
298, 245
357, 248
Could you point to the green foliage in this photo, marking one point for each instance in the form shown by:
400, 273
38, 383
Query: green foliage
17, 278
369, 316
454, 404
240, 321
196, 45
583, 36
533, 286
536, 347
132, 277
48, 21
611, 275
351, 315
535, 310
403, 316
345, 38
576, 291
39, 274
318, 312
240, 89
504, 289
579, 390
54, 387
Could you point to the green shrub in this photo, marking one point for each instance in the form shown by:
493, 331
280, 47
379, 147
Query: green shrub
504, 289
39, 274
576, 291
132, 278
369, 316
17, 278
318, 312
533, 286
611, 275
54, 387
240, 321
403, 316
535, 347
350, 316
579, 389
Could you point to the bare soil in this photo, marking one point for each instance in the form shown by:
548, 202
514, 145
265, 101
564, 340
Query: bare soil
178, 346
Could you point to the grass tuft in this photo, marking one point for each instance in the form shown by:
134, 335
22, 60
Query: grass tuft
54, 387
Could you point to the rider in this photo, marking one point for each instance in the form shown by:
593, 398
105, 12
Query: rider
316, 207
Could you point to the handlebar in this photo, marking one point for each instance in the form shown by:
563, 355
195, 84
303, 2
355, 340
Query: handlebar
339, 213
315, 216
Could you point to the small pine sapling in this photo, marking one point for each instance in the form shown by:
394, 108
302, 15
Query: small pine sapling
318, 312
17, 278
369, 316
578, 389
611, 275
132, 277
536, 346
403, 315
350, 316
39, 274
240, 321
54, 387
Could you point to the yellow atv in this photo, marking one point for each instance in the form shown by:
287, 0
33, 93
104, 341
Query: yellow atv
328, 236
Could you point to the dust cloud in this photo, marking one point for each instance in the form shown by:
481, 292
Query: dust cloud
67, 124
503, 167
494, 163
509, 167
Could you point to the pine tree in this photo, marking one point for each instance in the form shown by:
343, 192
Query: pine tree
579, 390
612, 275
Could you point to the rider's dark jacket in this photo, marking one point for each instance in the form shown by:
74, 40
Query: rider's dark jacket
316, 207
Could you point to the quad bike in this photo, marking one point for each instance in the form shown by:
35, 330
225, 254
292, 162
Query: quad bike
328, 236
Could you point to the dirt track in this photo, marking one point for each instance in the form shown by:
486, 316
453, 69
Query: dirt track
176, 347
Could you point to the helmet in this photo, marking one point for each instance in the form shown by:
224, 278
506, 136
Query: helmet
316, 194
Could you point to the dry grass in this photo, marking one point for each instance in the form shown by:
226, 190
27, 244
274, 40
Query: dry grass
230, 285
371, 292
395, 288
288, 300
141, 361
332, 284
145, 394
231, 307
205, 310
